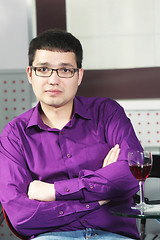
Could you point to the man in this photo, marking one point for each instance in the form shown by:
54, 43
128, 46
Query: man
61, 164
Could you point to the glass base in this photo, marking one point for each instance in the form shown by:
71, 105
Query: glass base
142, 206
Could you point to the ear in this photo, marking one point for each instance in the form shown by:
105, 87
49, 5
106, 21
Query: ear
29, 74
81, 72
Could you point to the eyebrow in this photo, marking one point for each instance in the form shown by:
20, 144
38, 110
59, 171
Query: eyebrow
50, 65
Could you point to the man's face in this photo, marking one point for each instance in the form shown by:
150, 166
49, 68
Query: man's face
55, 91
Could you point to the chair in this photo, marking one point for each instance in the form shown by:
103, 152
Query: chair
11, 227
152, 193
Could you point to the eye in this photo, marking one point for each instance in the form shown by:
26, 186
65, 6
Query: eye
42, 69
66, 70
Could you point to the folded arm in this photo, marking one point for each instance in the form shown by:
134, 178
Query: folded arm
112, 181
29, 216
43, 191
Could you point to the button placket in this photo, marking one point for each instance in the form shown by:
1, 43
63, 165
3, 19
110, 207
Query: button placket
62, 132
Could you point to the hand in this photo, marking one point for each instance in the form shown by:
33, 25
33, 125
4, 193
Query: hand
112, 156
41, 191
102, 202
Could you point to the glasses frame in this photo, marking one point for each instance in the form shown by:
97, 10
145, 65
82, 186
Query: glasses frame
56, 70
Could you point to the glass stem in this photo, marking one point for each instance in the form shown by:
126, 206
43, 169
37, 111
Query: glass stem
141, 191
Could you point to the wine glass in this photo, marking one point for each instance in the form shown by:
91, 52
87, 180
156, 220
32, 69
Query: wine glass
140, 163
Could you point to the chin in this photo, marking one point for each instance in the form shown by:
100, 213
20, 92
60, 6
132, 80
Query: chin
55, 105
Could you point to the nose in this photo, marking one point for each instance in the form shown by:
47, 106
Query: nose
53, 79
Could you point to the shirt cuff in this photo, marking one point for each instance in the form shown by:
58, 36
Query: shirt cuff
70, 189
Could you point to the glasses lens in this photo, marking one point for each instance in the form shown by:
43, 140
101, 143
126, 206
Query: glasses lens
43, 72
65, 72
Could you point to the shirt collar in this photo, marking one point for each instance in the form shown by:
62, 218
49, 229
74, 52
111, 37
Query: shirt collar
36, 119
79, 109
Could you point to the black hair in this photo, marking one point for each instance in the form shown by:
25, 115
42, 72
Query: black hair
56, 40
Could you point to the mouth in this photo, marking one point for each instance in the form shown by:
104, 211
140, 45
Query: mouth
53, 91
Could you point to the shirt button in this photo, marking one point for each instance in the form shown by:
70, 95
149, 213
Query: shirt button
60, 212
62, 132
91, 186
87, 206
69, 155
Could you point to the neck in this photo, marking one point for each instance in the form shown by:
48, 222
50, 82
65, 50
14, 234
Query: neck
56, 117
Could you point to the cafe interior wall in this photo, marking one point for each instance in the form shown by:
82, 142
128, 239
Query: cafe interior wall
18, 27
121, 54
121, 41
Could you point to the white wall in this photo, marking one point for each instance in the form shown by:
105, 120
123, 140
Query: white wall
122, 34
116, 33
15, 32
17, 27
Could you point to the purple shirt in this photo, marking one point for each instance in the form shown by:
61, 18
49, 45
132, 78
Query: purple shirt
72, 159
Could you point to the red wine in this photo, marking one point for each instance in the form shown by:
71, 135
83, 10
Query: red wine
140, 172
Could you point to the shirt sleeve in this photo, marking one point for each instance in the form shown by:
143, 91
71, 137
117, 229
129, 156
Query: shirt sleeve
28, 216
114, 182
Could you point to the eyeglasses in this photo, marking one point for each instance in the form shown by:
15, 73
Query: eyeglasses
61, 72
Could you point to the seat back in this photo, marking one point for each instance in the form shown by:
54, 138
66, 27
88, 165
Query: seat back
11, 227
152, 183
152, 193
